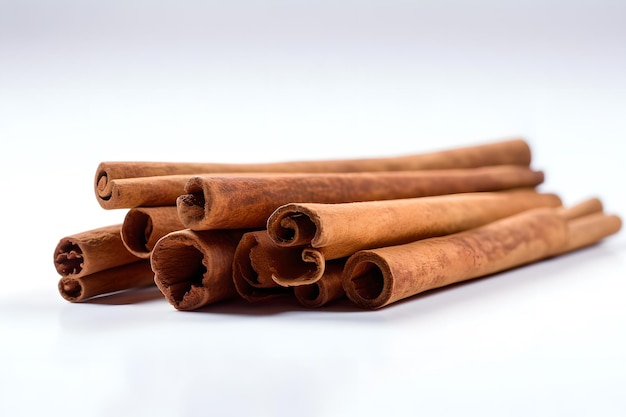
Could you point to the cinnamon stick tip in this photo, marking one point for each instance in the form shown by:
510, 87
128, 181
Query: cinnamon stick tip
364, 281
70, 289
68, 258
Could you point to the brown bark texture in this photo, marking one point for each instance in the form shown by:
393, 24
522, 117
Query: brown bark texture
378, 277
144, 226
126, 277
253, 267
214, 202
505, 152
332, 231
194, 269
91, 251
325, 290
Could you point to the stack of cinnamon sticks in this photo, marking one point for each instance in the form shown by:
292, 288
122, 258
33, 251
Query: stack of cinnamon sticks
374, 231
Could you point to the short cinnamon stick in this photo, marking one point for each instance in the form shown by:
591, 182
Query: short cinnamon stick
144, 226
332, 231
507, 152
326, 289
144, 191
378, 277
194, 269
214, 202
91, 251
121, 278
253, 267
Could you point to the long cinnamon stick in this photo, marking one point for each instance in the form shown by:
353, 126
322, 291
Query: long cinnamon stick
378, 277
332, 231
91, 251
194, 269
214, 202
125, 277
507, 152
144, 226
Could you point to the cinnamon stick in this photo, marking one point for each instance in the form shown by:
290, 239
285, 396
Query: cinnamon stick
326, 289
121, 278
194, 269
214, 202
378, 277
253, 267
507, 152
332, 231
144, 226
143, 191
91, 251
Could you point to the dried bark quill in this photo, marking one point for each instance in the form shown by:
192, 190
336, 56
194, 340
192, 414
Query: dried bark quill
115, 188
331, 231
378, 277
246, 202
372, 231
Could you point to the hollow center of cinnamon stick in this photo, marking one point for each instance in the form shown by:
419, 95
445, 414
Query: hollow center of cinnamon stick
297, 228
367, 280
183, 272
193, 199
309, 292
69, 259
71, 288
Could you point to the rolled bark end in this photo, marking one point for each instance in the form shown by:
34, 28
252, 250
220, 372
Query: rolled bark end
180, 277
193, 269
325, 290
290, 225
295, 273
68, 258
102, 187
193, 207
365, 280
70, 289
136, 231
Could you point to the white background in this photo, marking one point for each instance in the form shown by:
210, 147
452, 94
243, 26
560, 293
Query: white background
247, 80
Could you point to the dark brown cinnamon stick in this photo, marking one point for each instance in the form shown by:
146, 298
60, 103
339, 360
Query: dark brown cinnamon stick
378, 277
91, 251
508, 152
246, 202
253, 267
121, 278
144, 226
194, 269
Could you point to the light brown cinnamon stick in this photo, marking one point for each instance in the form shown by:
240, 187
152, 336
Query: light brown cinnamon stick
91, 251
215, 202
507, 152
144, 226
120, 278
194, 269
378, 277
332, 231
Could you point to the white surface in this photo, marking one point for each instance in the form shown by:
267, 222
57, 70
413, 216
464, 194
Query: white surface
258, 81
